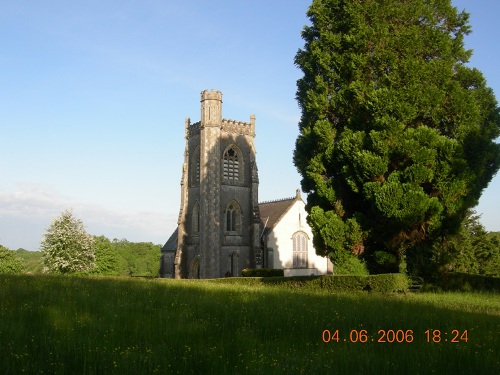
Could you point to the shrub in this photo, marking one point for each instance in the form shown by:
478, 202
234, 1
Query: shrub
384, 283
261, 272
464, 282
351, 266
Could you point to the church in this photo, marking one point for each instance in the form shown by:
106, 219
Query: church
222, 228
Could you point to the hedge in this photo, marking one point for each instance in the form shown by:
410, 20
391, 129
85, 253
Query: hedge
455, 281
262, 272
384, 283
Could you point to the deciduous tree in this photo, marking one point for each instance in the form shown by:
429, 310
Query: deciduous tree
9, 261
472, 250
397, 132
66, 246
106, 257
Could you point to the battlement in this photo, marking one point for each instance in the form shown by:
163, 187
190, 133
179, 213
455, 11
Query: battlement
211, 95
239, 127
211, 116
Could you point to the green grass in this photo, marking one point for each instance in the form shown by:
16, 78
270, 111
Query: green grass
84, 325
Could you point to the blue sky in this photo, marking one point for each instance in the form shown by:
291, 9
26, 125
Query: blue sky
93, 96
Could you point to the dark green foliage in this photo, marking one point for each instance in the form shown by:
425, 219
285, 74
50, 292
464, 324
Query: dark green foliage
472, 250
455, 281
386, 283
261, 272
488, 252
10, 262
397, 134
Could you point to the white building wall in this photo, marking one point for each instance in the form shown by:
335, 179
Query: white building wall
280, 240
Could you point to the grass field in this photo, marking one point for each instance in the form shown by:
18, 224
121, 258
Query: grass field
83, 325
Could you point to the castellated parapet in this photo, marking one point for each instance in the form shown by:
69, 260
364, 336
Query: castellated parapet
239, 127
229, 126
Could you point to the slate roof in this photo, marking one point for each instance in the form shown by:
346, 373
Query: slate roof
171, 244
272, 212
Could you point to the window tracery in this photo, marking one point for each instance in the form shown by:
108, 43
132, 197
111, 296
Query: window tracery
232, 164
299, 250
233, 217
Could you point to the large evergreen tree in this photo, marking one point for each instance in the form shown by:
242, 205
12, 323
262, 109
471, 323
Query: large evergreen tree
397, 133
66, 246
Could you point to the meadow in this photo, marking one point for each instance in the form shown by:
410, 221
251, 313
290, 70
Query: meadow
111, 325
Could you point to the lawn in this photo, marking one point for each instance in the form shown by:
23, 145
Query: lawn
91, 325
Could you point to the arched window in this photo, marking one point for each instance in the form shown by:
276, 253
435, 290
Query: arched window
233, 217
299, 250
232, 164
195, 219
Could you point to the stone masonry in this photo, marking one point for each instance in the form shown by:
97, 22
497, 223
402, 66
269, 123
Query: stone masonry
218, 226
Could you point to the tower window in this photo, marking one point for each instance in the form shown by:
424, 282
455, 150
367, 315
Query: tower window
231, 164
299, 250
233, 217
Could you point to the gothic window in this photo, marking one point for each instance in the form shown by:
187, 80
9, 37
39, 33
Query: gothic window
299, 250
233, 217
195, 219
232, 164
234, 264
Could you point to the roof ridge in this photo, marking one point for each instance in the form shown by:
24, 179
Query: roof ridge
278, 200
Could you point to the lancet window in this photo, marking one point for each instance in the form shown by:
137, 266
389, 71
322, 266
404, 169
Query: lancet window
299, 250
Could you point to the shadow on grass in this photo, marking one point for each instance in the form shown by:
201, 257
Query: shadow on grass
54, 324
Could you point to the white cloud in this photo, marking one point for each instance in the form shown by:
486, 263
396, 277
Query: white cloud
28, 211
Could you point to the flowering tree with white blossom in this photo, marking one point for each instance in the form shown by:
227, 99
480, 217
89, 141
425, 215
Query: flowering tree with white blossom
67, 247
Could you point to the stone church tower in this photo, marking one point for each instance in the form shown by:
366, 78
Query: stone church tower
218, 226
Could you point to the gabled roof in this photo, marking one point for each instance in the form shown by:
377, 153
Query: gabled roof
272, 212
171, 244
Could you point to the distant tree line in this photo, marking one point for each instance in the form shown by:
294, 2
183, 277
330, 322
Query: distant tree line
113, 258
124, 258
67, 249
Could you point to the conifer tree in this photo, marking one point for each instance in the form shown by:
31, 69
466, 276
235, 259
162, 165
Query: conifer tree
66, 247
397, 132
